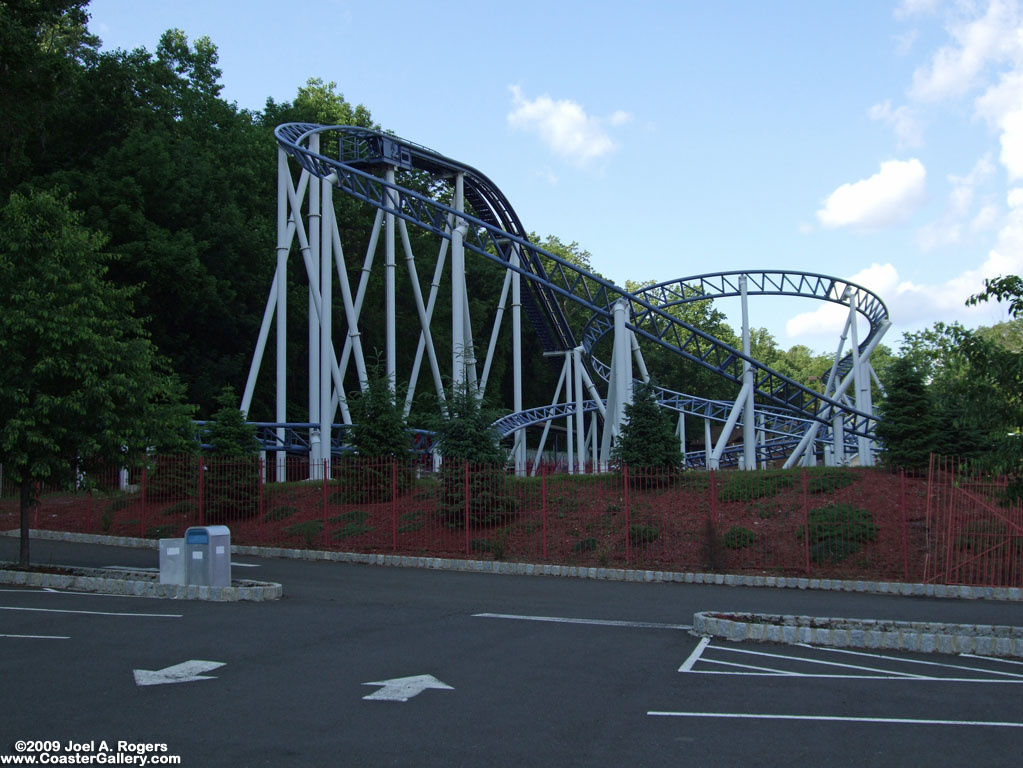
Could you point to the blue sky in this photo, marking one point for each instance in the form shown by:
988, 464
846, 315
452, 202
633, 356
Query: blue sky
880, 142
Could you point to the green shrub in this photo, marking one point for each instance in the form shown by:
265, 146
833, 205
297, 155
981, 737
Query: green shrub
282, 512
183, 508
829, 480
584, 545
838, 531
495, 546
161, 531
738, 537
641, 533
352, 516
309, 531
352, 529
746, 486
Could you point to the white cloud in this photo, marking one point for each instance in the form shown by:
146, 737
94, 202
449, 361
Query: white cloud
910, 303
887, 198
908, 8
948, 230
829, 318
902, 120
564, 126
955, 69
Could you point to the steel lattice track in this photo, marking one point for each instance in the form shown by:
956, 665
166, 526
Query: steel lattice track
496, 233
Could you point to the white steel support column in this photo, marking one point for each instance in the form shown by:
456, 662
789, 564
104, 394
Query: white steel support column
315, 347
709, 462
423, 335
389, 290
569, 427
326, 341
861, 384
283, 245
458, 289
733, 418
580, 421
749, 437
623, 360
519, 450
426, 338
840, 390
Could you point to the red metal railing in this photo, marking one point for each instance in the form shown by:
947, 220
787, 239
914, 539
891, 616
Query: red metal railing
974, 529
834, 523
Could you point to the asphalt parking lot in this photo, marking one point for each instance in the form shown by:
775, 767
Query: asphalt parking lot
363, 665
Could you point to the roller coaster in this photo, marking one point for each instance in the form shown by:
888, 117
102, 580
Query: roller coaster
781, 421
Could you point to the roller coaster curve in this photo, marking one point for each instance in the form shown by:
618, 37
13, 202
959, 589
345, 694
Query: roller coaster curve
787, 409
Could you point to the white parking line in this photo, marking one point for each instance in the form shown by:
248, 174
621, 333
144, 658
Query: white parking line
836, 719
695, 655
40, 637
94, 613
597, 622
812, 661
921, 661
51, 591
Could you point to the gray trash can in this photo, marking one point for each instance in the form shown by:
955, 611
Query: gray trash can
208, 555
172, 561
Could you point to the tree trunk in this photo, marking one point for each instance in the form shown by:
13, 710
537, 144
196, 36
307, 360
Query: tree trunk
26, 508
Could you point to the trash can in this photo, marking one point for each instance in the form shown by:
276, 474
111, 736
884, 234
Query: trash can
172, 561
208, 556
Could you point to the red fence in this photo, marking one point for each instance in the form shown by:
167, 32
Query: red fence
974, 531
833, 523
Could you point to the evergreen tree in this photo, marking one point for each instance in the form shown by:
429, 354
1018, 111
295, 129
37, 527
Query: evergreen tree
230, 434
378, 422
647, 438
908, 427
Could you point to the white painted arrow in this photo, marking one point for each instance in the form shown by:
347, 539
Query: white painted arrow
185, 672
404, 688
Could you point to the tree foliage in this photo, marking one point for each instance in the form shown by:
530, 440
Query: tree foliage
378, 421
80, 380
908, 427
647, 438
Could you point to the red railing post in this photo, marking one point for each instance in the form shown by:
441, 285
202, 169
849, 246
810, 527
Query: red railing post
543, 512
202, 468
806, 524
465, 495
261, 466
625, 497
142, 512
326, 528
394, 504
905, 525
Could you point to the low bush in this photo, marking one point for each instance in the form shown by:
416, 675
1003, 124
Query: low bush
738, 537
837, 531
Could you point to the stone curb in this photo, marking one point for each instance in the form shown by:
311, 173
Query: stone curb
918, 636
142, 584
963, 592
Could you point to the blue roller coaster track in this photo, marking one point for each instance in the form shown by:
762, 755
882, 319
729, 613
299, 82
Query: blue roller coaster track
495, 232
